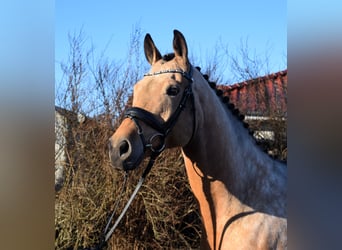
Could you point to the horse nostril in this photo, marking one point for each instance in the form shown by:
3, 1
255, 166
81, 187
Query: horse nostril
124, 147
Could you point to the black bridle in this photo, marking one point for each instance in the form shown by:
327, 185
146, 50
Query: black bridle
138, 114
163, 129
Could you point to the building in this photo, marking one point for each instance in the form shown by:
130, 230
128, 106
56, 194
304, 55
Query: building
64, 122
263, 101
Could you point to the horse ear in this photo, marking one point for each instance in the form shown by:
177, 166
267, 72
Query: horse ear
179, 46
151, 52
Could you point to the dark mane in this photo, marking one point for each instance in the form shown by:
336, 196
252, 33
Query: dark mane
225, 100
235, 111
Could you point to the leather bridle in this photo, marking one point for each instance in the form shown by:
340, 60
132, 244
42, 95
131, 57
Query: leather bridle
163, 129
138, 114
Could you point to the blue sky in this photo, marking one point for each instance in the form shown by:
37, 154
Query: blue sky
203, 23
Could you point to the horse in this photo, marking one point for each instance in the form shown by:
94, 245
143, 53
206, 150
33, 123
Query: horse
241, 191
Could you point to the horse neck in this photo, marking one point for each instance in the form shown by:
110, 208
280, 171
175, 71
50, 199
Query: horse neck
224, 165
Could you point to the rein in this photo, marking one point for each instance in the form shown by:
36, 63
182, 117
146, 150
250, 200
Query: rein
141, 181
138, 114
108, 233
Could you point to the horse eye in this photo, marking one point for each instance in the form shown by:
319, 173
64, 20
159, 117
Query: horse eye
172, 90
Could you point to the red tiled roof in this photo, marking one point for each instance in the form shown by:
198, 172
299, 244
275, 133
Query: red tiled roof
264, 96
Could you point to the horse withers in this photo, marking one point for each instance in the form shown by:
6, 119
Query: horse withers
241, 191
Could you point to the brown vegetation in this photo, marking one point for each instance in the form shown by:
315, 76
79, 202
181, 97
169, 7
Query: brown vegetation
163, 215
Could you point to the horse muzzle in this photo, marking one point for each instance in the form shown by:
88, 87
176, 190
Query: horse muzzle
125, 149
129, 145
121, 155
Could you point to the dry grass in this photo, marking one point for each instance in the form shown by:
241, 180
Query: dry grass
163, 215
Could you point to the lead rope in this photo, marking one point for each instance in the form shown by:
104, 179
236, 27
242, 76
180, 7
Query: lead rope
141, 181
117, 202
103, 241
154, 155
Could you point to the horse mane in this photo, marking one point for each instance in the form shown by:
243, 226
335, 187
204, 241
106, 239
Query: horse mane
235, 111
226, 101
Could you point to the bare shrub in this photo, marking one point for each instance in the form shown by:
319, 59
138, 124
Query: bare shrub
163, 215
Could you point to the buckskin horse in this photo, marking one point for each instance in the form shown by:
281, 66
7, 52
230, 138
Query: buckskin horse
241, 191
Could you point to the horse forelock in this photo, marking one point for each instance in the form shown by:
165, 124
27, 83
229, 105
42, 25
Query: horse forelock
168, 57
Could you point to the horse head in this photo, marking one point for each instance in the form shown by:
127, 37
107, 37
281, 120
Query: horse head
162, 115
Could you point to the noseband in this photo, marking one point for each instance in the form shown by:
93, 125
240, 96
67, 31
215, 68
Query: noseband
138, 114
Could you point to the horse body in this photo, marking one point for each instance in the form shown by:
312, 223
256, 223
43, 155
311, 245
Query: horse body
241, 191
